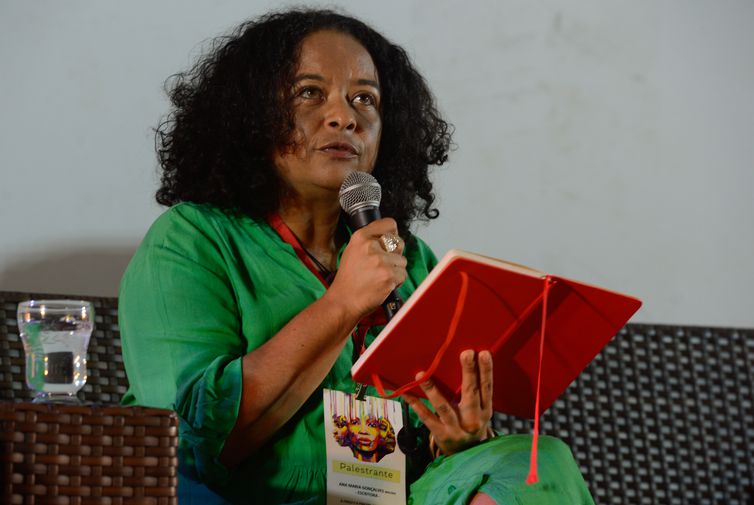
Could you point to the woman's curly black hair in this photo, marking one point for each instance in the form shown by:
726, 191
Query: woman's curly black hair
230, 115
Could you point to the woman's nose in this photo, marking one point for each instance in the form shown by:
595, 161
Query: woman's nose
340, 115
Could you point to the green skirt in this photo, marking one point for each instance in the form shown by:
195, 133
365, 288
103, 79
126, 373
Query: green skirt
498, 467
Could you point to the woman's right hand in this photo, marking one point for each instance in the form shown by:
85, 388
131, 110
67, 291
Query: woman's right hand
367, 273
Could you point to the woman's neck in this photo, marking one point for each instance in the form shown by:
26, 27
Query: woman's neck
315, 226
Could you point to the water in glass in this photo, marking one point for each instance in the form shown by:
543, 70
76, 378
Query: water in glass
55, 334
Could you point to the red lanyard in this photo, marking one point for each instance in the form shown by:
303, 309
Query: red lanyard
375, 318
292, 240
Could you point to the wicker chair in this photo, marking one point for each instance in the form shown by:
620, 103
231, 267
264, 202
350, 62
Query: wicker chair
95, 453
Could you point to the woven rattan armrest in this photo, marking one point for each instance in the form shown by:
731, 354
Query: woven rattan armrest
54, 453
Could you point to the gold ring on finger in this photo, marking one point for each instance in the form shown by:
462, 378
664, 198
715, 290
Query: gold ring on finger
390, 242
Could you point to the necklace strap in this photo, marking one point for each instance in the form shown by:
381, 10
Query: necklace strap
326, 272
292, 240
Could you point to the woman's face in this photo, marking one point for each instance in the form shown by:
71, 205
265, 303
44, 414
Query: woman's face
365, 431
336, 107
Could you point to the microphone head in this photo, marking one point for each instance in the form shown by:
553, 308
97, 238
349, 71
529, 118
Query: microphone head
359, 190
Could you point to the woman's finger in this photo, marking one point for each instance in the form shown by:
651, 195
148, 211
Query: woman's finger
486, 379
375, 229
443, 408
391, 243
426, 416
470, 406
396, 261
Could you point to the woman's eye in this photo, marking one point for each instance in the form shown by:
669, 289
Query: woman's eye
366, 99
308, 92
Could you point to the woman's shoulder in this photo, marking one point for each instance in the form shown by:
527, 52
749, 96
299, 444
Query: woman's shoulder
200, 215
197, 221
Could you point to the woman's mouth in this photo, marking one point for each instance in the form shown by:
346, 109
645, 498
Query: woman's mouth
341, 150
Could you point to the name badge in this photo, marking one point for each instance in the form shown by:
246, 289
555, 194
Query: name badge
364, 464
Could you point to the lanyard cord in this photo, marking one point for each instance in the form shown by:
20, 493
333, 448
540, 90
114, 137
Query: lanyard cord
292, 240
328, 274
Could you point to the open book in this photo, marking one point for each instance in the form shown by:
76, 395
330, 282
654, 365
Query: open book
470, 301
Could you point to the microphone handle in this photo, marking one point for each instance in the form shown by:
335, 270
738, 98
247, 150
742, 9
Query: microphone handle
363, 216
360, 219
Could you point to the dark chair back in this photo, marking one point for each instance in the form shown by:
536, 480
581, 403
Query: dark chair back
664, 414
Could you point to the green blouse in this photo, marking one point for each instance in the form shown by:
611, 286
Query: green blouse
203, 289
206, 287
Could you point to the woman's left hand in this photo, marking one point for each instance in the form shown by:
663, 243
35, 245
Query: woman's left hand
457, 427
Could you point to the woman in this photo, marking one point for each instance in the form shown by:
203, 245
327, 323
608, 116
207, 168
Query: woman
240, 304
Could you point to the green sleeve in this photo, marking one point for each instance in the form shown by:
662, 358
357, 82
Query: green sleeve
181, 336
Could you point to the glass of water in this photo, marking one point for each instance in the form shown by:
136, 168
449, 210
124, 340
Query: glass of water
56, 335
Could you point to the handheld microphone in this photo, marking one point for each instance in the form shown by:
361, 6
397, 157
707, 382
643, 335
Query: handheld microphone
360, 196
